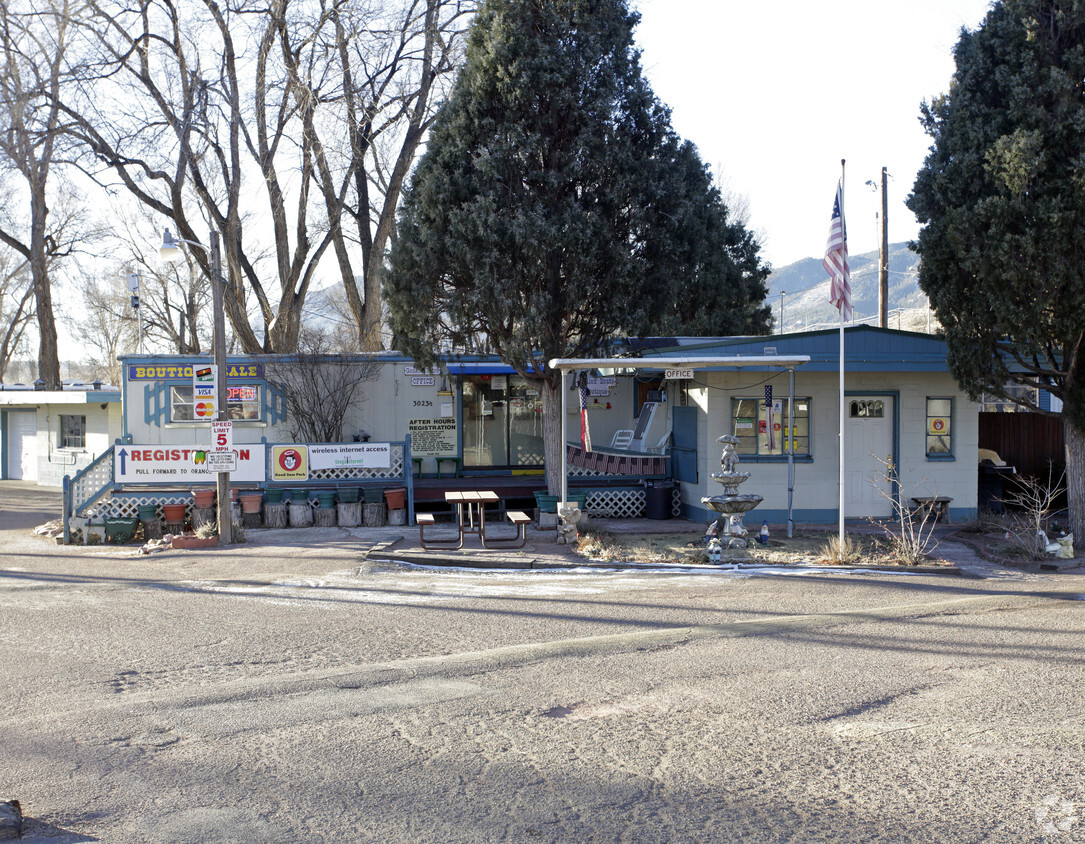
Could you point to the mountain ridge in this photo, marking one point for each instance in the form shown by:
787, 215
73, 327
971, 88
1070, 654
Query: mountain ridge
805, 285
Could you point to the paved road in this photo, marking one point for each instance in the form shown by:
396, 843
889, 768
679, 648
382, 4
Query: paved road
288, 692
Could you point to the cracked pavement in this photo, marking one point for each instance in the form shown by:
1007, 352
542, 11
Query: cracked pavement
288, 690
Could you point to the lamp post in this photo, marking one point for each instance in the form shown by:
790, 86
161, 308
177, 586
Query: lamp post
171, 249
133, 287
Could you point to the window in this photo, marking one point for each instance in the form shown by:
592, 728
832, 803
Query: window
939, 427
762, 433
242, 401
73, 431
867, 409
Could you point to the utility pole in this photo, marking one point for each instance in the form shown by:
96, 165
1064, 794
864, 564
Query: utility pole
225, 515
883, 276
782, 292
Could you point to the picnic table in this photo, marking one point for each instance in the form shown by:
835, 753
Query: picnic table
471, 520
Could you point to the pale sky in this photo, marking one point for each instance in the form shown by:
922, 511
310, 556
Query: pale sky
775, 94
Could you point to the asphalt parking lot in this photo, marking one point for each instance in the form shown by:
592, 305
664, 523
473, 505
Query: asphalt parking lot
294, 689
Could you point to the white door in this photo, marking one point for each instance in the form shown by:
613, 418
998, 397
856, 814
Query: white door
23, 446
868, 446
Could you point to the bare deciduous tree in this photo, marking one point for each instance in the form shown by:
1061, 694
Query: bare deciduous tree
16, 305
34, 42
289, 126
107, 328
320, 389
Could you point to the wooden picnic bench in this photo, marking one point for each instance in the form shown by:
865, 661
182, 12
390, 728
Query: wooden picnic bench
931, 505
471, 519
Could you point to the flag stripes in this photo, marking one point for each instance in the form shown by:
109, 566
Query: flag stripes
836, 257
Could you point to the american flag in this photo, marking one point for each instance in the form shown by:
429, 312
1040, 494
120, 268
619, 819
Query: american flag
836, 257
585, 434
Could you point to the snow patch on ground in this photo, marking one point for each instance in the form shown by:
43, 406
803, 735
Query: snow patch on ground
418, 584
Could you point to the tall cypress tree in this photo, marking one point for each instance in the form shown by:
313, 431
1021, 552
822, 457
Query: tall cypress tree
1002, 197
555, 207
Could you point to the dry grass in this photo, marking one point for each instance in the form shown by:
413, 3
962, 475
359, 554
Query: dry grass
805, 547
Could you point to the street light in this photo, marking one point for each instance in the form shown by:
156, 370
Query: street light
169, 251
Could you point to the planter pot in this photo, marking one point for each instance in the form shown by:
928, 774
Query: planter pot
273, 496
147, 512
189, 541
298, 495
250, 502
174, 514
547, 503
120, 530
349, 495
203, 499
396, 498
325, 500
373, 495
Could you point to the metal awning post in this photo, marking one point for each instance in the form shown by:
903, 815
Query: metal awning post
564, 446
791, 449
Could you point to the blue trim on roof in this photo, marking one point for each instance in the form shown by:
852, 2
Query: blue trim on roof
867, 348
480, 368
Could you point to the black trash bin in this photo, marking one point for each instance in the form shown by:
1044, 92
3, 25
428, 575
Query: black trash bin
660, 499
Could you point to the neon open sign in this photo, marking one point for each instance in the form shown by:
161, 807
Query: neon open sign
240, 394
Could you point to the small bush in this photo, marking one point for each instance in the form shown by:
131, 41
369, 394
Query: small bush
842, 552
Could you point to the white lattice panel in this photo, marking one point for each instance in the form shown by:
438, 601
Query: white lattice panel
127, 507
616, 503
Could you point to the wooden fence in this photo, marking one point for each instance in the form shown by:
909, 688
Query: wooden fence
1026, 441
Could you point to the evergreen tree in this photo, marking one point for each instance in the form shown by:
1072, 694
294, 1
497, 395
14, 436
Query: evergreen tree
555, 207
1001, 196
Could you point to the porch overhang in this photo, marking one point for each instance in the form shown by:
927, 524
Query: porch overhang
664, 362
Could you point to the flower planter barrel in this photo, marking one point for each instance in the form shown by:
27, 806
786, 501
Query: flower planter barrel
350, 513
120, 530
397, 501
203, 499
301, 514
250, 508
250, 502
148, 516
174, 514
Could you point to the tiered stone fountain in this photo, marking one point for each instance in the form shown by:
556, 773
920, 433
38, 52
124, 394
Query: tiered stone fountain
732, 504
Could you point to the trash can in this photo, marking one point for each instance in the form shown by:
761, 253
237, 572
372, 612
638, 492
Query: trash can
660, 495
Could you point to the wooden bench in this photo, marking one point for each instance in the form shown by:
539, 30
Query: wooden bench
426, 520
520, 521
932, 505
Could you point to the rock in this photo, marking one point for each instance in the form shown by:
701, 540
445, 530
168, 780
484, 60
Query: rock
11, 820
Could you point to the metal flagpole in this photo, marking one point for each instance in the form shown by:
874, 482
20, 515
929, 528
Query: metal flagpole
841, 502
